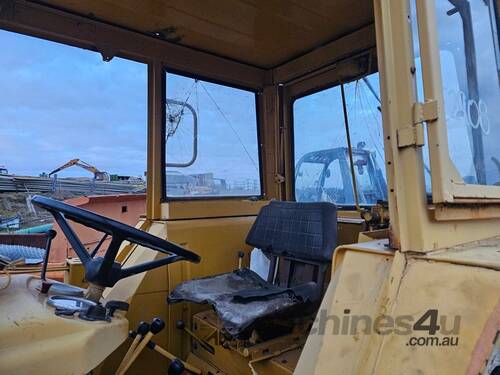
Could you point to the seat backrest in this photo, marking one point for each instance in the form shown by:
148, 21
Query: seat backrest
299, 238
302, 231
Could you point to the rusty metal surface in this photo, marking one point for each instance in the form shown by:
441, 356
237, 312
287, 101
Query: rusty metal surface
33, 240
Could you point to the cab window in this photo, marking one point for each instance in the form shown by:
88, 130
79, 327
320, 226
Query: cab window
322, 157
468, 42
70, 124
211, 140
470, 70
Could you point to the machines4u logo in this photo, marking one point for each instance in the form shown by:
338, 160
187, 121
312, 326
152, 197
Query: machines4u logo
431, 323
428, 329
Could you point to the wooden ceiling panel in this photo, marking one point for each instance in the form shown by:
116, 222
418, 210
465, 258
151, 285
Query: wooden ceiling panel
264, 33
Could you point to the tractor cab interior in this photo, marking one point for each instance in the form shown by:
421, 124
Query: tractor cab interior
289, 177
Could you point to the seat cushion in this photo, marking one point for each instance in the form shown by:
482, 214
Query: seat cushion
242, 298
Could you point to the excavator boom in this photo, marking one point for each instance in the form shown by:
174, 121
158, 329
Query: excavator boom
98, 175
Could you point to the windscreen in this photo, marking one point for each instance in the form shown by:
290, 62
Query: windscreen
211, 140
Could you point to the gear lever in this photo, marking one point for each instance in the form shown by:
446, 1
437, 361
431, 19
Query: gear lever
142, 329
156, 326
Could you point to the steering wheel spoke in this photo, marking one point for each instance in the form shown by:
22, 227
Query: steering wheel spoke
134, 270
98, 246
71, 236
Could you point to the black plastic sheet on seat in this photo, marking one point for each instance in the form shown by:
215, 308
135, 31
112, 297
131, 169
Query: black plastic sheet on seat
241, 298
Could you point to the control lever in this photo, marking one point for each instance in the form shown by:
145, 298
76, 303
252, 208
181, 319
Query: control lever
142, 329
100, 312
112, 306
65, 312
157, 326
45, 285
93, 313
205, 345
176, 366
241, 255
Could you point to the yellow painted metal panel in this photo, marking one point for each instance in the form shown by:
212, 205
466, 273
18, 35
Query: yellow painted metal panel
470, 293
35, 340
460, 284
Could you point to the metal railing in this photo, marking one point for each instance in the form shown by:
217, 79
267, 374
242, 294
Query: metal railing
45, 185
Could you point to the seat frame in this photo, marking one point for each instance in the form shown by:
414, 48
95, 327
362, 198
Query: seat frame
289, 263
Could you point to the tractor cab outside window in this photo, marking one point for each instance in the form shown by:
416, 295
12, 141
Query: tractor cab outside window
71, 125
339, 145
211, 140
468, 51
468, 43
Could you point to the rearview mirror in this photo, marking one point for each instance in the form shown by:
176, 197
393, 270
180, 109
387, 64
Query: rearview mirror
181, 133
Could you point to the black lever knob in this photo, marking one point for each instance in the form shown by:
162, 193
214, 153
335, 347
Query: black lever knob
176, 367
142, 328
157, 325
180, 324
51, 233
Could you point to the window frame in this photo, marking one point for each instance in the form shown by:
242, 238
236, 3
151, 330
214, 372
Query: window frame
257, 93
291, 100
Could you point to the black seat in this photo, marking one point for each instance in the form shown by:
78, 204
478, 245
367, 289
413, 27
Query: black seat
299, 238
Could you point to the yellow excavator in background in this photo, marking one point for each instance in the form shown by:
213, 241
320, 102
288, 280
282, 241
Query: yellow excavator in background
98, 175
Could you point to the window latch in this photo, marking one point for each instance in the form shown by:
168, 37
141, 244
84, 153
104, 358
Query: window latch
414, 135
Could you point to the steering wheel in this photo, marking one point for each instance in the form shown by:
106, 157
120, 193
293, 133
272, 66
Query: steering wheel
105, 271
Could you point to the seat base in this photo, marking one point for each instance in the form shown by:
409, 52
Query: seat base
233, 356
243, 300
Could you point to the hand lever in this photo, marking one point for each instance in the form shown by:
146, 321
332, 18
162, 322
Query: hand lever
142, 329
45, 286
157, 326
205, 345
112, 306
177, 366
241, 255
